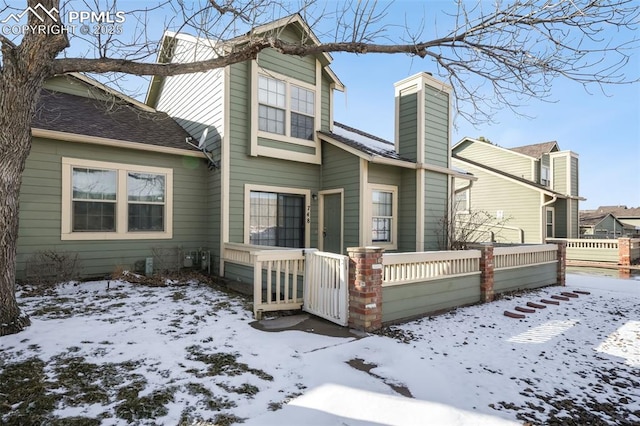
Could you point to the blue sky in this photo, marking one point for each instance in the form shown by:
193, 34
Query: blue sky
604, 129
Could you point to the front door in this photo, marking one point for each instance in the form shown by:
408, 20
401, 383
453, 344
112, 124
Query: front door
332, 223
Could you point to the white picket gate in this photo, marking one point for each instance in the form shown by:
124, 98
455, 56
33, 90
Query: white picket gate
326, 292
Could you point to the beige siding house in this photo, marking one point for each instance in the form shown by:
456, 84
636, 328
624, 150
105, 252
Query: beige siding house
532, 191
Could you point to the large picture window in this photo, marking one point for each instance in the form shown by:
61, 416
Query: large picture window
115, 201
285, 108
277, 219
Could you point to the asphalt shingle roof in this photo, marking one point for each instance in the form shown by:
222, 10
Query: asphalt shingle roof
113, 119
537, 149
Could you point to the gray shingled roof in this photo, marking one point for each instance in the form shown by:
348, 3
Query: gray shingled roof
537, 149
112, 119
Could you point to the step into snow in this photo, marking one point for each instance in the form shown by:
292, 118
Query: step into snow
513, 315
525, 310
536, 305
550, 302
557, 297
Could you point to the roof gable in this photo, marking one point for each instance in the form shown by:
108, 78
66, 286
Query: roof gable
538, 149
468, 140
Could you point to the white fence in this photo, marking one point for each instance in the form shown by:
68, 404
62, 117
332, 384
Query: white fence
326, 291
519, 256
599, 250
404, 268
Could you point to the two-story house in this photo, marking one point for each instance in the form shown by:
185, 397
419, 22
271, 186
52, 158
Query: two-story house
290, 176
272, 167
531, 191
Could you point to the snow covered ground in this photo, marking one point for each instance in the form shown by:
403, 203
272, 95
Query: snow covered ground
170, 355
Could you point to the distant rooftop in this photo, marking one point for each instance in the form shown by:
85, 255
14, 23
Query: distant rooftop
536, 150
617, 211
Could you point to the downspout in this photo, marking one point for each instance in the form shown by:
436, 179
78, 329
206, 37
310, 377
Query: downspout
452, 221
543, 216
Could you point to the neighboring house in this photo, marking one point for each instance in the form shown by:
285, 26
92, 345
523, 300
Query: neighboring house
600, 225
629, 217
531, 190
111, 178
107, 178
291, 177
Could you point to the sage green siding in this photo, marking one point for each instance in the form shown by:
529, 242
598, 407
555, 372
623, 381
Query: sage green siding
342, 170
495, 157
436, 126
408, 124
527, 277
436, 190
594, 254
301, 68
73, 86
520, 205
562, 224
574, 177
411, 300
407, 211
559, 171
245, 169
239, 273
41, 206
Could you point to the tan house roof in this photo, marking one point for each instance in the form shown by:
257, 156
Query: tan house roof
617, 211
537, 149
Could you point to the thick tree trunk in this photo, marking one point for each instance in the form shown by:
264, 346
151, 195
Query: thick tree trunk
22, 74
16, 108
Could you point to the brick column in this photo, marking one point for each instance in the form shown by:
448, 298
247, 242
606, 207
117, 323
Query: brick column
365, 288
562, 263
486, 273
624, 251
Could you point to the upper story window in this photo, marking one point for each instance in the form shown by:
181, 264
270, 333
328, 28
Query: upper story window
104, 201
461, 202
285, 108
545, 175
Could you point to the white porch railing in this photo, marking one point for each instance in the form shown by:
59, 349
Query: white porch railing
404, 268
283, 271
588, 243
278, 275
519, 256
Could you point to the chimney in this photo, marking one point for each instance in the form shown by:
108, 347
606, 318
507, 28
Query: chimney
423, 119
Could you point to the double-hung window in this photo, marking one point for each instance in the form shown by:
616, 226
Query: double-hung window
545, 175
461, 202
286, 108
103, 200
384, 213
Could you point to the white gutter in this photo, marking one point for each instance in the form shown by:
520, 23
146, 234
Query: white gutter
95, 140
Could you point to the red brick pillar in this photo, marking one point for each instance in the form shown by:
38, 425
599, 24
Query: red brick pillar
562, 263
365, 288
486, 273
624, 251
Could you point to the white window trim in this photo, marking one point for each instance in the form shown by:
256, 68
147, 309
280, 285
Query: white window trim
393, 244
280, 190
467, 193
257, 149
121, 232
553, 222
548, 168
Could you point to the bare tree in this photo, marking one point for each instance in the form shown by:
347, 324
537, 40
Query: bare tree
516, 48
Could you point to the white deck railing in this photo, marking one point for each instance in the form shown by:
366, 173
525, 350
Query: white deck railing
519, 256
277, 274
588, 243
403, 268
